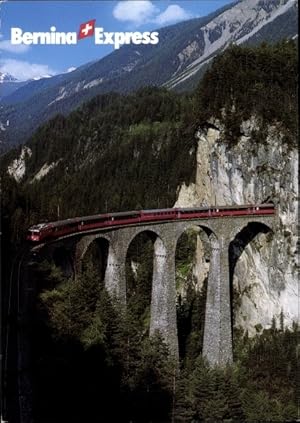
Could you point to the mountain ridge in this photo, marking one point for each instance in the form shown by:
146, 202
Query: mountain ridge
9, 84
178, 62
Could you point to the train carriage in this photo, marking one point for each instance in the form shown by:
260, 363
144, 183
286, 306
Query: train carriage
53, 230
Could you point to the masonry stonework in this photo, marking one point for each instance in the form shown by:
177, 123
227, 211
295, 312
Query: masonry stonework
217, 341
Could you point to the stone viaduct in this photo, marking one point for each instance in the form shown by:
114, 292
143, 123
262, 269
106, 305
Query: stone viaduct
221, 232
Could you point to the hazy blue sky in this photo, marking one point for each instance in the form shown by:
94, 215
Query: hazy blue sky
26, 62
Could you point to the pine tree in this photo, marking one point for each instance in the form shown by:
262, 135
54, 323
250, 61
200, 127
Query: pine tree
184, 407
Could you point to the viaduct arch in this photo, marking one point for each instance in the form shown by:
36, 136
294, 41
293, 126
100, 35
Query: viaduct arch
224, 234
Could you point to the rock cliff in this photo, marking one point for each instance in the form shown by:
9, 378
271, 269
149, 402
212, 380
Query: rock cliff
253, 170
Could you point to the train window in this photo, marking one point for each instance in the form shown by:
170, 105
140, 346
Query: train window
73, 225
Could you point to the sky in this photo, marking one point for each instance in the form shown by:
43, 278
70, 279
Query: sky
30, 61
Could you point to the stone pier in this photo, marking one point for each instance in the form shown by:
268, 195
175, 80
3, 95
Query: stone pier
163, 299
221, 231
217, 342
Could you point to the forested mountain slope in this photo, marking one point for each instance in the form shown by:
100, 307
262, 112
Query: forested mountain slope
178, 62
109, 155
116, 138
155, 148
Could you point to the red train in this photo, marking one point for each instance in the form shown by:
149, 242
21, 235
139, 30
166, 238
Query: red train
53, 230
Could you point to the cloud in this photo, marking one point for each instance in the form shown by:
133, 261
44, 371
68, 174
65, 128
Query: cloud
6, 45
139, 12
173, 13
23, 70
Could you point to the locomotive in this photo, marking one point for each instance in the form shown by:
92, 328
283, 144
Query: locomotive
53, 230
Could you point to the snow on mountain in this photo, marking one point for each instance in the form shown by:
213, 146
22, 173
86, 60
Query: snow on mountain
71, 69
9, 84
37, 78
6, 77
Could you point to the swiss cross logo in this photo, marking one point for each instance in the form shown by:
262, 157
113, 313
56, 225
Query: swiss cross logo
86, 29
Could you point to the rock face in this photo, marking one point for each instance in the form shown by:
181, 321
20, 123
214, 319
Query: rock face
265, 276
17, 168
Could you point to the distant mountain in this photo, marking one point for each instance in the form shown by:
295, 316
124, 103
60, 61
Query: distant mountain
6, 77
9, 84
178, 62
